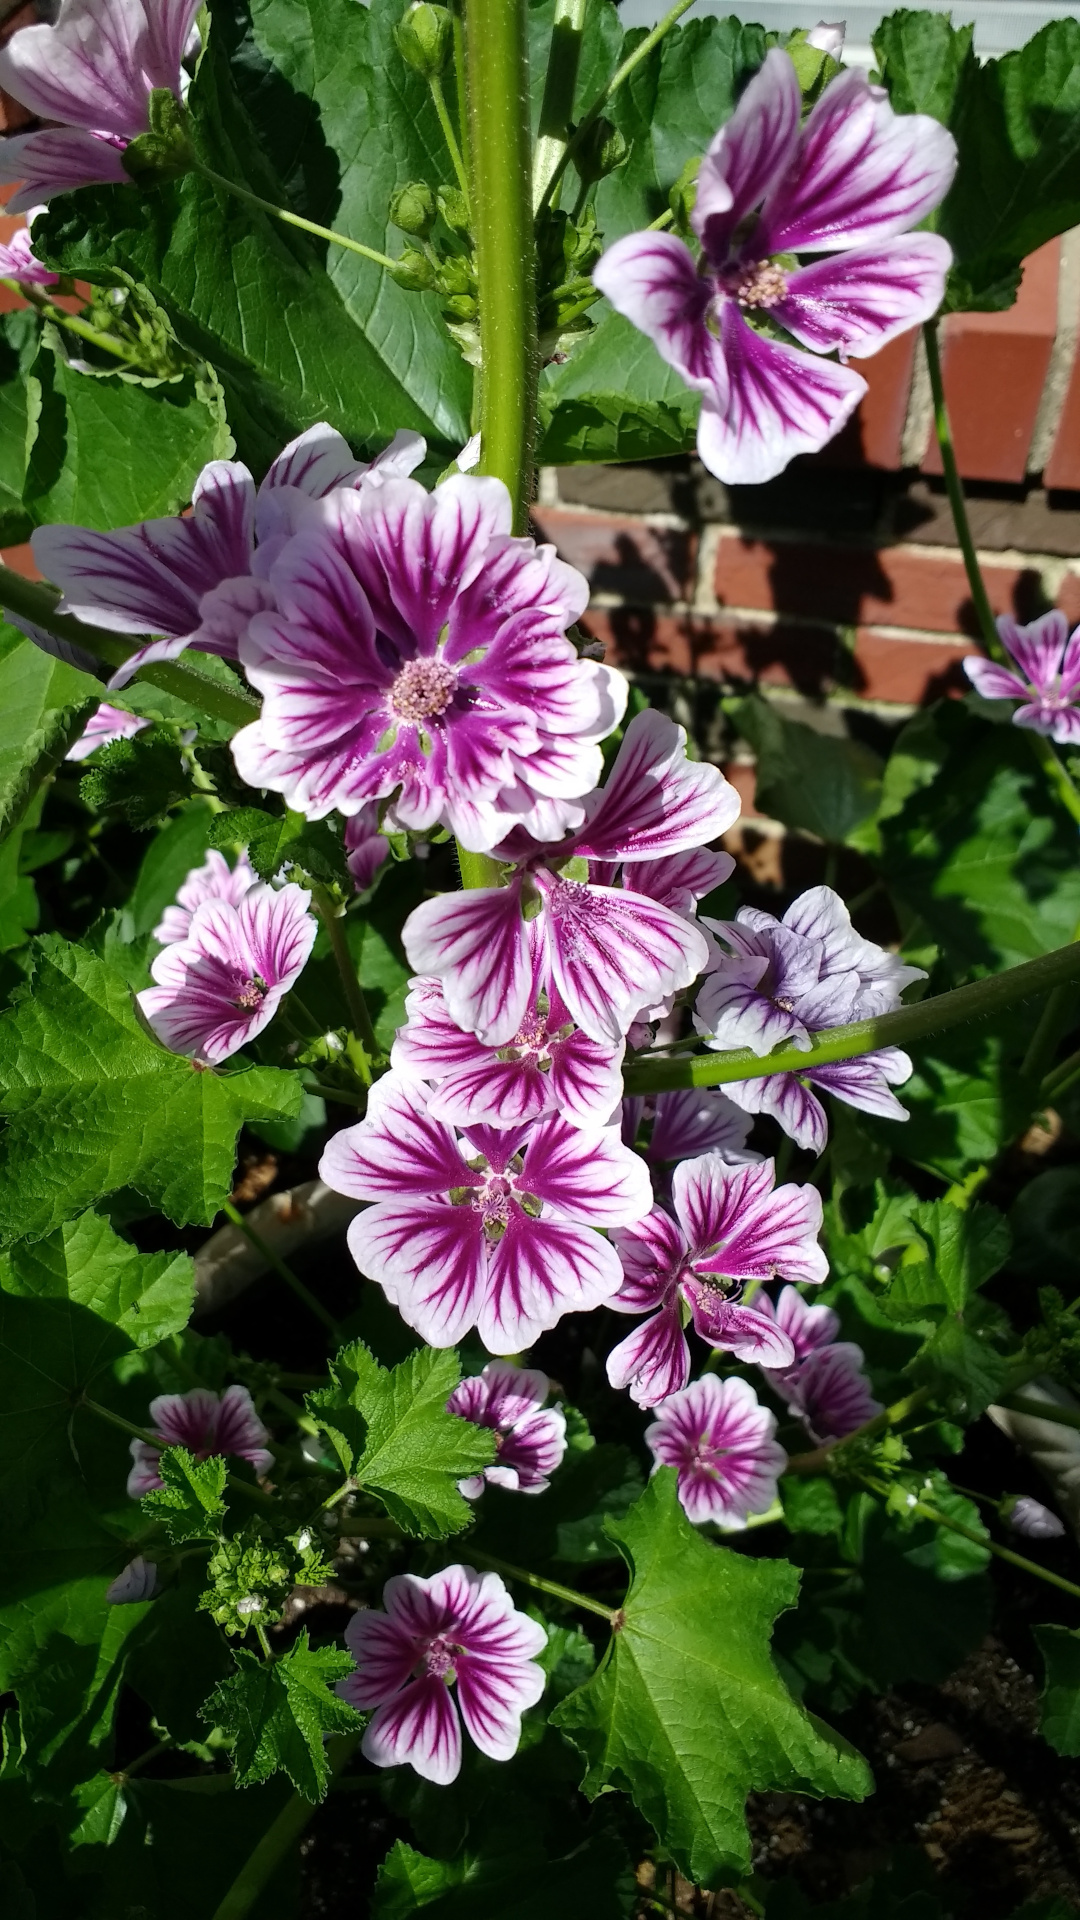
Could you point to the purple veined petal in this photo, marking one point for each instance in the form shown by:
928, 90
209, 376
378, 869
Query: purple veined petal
418, 1728
1037, 648
170, 26
831, 1394
680, 880
698, 1120
518, 577
781, 402
492, 1699
431, 1045
749, 154
1025, 1516
992, 681
808, 1326
89, 70
656, 802
493, 1093
857, 301
223, 983
721, 1441
589, 1179
146, 656
316, 461
102, 728
732, 1328
140, 1581
415, 551
531, 1451
653, 1361
732, 1011
226, 612
739, 1224
864, 1082
652, 280
862, 173
819, 915
790, 1102
501, 1396
1070, 667
430, 1260
59, 160
143, 1476
539, 1271
186, 1419
828, 37
366, 849
57, 649
18, 260
151, 578
612, 952
384, 1648
652, 1255
397, 1148
315, 658
831, 1002
1065, 728
478, 945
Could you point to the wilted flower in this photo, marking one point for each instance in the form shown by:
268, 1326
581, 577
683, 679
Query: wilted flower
18, 260
609, 951
731, 1225
138, 1581
530, 1438
217, 988
459, 1628
1031, 1519
499, 1231
206, 1424
102, 728
93, 74
214, 880
845, 187
198, 579
721, 1440
1049, 679
419, 651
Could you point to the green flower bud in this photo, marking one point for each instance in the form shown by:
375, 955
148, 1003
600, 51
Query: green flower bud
414, 272
165, 152
684, 193
413, 209
601, 151
454, 209
424, 36
462, 306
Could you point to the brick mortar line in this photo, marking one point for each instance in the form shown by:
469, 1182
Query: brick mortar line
767, 617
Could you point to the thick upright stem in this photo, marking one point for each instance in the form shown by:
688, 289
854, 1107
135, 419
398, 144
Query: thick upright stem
557, 111
282, 1835
501, 196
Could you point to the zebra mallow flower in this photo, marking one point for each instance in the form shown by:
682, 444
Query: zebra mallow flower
687, 1122
457, 1630
206, 1424
826, 1387
844, 189
18, 260
609, 951
197, 579
91, 75
366, 848
1048, 682
214, 880
530, 1439
220, 985
783, 980
502, 1231
419, 653
102, 728
720, 1438
730, 1225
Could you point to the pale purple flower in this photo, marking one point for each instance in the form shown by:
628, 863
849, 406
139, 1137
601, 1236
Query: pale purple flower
863, 1082
1031, 1519
458, 1629
500, 1230
102, 728
530, 1439
93, 74
731, 1224
18, 260
846, 187
720, 1438
549, 1066
828, 37
214, 880
139, 1579
610, 951
830, 1393
1049, 679
808, 1325
419, 653
223, 983
197, 579
207, 1424
688, 1122
366, 848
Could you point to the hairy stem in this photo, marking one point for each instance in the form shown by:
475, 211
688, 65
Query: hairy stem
283, 1271
32, 601
447, 125
74, 323
280, 1836
928, 1512
359, 1017
553, 1587
234, 1483
1062, 1077
899, 1029
297, 220
557, 110
820, 1460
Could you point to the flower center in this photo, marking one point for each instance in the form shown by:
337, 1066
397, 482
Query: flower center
423, 689
437, 1660
494, 1202
761, 284
250, 993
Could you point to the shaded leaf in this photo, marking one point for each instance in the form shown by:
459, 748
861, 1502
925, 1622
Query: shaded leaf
1059, 1721
147, 1295
279, 1711
190, 1504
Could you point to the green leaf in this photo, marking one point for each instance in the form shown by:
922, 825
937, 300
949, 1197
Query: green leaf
1045, 1222
511, 1874
1059, 1721
277, 840
190, 1504
307, 104
51, 1353
93, 1104
279, 1711
166, 864
81, 467
687, 1709
922, 59
966, 1247
20, 334
395, 1438
140, 779
44, 706
822, 783
146, 1295
810, 1505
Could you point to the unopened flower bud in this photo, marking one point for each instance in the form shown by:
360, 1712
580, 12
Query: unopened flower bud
424, 35
454, 209
414, 272
1031, 1519
828, 37
601, 151
413, 209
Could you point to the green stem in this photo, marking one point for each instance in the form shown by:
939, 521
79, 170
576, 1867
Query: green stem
283, 1270
619, 77
336, 1093
359, 1016
501, 197
478, 869
560, 84
145, 1759
899, 1029
297, 220
33, 601
280, 1836
553, 1587
1061, 1078
74, 323
820, 1460
254, 1494
1056, 775
461, 92
449, 135
1044, 1040
1041, 1410
927, 1512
